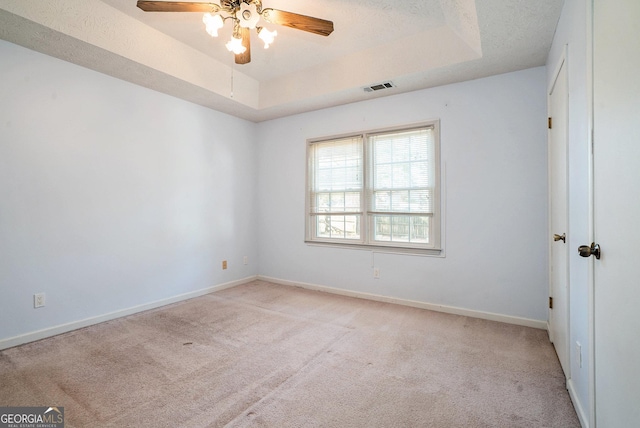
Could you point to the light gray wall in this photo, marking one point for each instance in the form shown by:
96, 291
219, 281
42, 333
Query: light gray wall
112, 195
493, 145
571, 35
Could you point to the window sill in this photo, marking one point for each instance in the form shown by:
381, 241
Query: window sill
426, 252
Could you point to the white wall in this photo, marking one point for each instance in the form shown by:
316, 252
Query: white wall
572, 34
493, 144
113, 196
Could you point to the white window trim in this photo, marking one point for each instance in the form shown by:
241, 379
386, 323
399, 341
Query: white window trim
435, 249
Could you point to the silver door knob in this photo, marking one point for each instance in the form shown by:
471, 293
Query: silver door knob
562, 237
593, 250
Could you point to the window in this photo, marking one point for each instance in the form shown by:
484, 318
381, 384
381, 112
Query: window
378, 188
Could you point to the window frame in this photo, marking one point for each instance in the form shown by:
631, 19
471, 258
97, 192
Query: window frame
366, 213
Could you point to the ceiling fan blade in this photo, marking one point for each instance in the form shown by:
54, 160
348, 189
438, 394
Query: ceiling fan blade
245, 57
299, 22
177, 6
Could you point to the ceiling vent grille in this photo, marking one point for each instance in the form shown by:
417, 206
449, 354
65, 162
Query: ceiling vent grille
379, 86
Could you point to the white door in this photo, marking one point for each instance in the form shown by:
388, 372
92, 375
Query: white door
616, 125
559, 281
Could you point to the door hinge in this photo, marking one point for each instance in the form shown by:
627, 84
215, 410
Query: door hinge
550, 302
550, 123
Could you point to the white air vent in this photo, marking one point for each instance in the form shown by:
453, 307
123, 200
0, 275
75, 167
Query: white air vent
379, 86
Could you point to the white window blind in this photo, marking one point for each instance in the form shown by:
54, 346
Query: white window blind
336, 185
402, 185
375, 188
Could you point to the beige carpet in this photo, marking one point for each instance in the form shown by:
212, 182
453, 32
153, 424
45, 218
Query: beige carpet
262, 354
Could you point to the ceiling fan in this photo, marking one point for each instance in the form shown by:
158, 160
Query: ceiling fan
245, 15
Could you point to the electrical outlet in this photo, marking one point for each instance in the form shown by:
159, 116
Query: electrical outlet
246, 260
224, 264
38, 300
376, 273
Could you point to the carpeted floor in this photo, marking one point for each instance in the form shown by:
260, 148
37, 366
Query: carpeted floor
268, 355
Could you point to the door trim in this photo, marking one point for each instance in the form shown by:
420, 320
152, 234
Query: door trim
591, 220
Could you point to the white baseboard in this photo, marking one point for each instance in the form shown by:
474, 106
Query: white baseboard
74, 325
64, 328
582, 417
414, 303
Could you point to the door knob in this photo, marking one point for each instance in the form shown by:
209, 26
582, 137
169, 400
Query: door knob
593, 250
562, 237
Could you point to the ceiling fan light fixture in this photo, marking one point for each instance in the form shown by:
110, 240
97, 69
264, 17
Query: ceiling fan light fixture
248, 15
266, 36
235, 45
212, 23
245, 15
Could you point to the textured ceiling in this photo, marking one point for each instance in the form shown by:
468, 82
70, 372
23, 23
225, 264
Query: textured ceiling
415, 44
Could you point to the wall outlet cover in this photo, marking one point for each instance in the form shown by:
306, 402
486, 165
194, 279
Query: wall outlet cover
38, 300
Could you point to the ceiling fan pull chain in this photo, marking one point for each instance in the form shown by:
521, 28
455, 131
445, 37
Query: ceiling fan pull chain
232, 68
